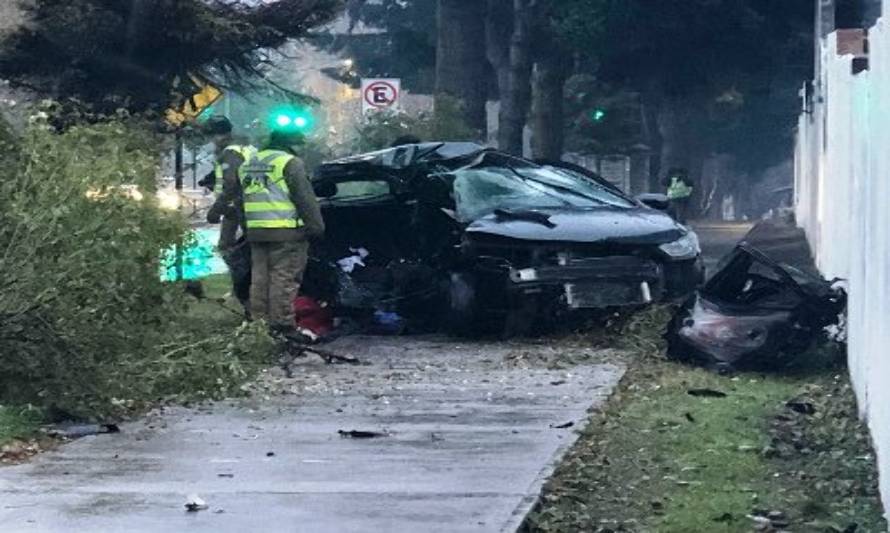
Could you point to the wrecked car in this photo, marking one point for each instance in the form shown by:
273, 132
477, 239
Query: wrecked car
753, 313
462, 236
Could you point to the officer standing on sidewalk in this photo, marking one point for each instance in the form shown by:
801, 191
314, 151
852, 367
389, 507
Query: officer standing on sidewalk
281, 215
230, 156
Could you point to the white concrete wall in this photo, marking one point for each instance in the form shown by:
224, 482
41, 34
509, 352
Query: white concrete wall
842, 188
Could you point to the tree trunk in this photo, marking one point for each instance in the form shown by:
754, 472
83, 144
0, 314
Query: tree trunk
674, 146
460, 58
515, 104
649, 110
498, 29
681, 126
548, 119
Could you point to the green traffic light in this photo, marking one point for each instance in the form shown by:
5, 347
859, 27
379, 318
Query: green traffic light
292, 119
597, 115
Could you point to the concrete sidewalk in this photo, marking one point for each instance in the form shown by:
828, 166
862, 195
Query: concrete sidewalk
470, 442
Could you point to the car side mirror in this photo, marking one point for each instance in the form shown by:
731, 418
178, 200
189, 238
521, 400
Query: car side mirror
325, 189
655, 201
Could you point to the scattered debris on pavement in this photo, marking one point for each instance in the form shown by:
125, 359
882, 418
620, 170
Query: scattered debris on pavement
360, 434
754, 312
76, 431
17, 451
564, 425
194, 503
297, 348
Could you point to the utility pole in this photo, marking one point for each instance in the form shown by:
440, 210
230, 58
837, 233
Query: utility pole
194, 167
177, 168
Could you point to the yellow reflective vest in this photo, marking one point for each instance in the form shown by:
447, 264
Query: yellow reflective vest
267, 203
678, 189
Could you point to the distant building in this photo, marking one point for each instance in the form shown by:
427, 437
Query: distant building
11, 102
11, 16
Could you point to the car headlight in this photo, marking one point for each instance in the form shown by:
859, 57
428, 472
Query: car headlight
524, 275
686, 247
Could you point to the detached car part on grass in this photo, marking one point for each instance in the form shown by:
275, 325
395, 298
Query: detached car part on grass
459, 235
754, 312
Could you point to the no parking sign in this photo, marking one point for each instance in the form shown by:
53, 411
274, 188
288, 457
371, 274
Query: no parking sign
380, 94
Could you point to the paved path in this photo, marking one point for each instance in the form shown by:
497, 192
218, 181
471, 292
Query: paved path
718, 239
470, 443
778, 238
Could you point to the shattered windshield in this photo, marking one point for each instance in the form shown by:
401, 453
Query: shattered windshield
568, 180
482, 190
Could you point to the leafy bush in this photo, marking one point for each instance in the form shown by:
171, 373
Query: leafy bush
85, 322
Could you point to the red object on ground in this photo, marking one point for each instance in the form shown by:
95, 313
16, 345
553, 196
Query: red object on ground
312, 316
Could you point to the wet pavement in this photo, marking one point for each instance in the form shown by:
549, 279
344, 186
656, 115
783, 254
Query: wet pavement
718, 239
470, 433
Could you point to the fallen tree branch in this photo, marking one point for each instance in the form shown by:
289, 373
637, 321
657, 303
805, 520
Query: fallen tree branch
298, 349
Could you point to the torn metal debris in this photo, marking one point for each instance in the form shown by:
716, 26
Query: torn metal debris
195, 503
753, 312
361, 434
76, 431
706, 393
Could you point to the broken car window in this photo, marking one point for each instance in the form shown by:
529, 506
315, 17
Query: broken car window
482, 190
568, 180
360, 191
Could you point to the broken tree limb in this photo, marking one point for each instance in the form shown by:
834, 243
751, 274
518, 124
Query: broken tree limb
299, 349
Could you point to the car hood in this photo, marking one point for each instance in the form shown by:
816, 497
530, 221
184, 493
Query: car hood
637, 225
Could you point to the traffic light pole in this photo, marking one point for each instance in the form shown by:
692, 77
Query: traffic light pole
177, 175
177, 169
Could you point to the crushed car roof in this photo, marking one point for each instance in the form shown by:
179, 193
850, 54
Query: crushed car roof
411, 154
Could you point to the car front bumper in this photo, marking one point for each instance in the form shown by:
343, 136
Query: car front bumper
597, 283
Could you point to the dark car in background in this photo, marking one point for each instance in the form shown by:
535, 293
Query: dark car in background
461, 236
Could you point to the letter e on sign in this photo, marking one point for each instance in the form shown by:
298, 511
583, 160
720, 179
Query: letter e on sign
380, 94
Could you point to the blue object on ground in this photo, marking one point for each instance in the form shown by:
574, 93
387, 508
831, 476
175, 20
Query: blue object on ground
388, 323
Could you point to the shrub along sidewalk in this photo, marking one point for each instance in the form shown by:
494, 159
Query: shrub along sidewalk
86, 325
19, 435
17, 422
